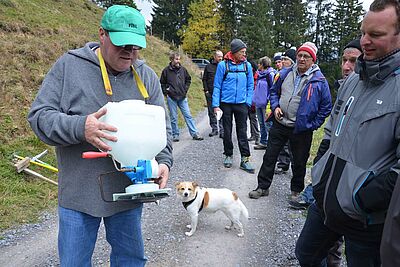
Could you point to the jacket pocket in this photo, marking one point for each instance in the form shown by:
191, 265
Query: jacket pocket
320, 175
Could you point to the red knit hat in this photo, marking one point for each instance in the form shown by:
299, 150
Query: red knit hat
310, 48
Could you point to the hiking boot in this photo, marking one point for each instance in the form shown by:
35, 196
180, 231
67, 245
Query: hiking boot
213, 133
175, 138
228, 162
246, 165
280, 170
260, 147
257, 193
197, 137
299, 203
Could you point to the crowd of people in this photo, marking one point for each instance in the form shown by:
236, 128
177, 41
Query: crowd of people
354, 173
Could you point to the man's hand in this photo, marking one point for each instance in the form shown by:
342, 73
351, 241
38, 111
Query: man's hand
216, 110
278, 113
94, 130
163, 175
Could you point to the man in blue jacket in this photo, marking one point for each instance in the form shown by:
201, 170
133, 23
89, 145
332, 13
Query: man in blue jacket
233, 93
300, 100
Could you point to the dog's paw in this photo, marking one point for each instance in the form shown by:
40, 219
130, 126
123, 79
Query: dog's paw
189, 226
240, 235
228, 227
188, 233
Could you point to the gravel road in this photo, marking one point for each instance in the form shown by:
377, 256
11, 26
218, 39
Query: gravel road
270, 233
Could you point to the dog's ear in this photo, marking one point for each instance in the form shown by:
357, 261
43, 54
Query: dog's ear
177, 184
195, 184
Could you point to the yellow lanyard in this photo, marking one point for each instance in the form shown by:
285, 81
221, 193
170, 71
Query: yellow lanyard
106, 80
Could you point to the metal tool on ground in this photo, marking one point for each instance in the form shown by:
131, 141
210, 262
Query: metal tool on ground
22, 166
141, 136
36, 160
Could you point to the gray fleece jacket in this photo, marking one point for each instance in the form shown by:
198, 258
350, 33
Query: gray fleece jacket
353, 181
71, 91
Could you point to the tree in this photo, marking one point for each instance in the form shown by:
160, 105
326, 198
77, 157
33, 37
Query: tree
231, 13
255, 28
169, 16
290, 23
346, 23
200, 37
108, 3
321, 22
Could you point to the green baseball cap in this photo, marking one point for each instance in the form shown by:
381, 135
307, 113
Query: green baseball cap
125, 25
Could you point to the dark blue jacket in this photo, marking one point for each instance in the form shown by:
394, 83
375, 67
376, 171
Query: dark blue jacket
315, 104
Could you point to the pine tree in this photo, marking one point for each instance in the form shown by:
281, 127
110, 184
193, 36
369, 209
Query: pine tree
200, 37
255, 28
108, 3
321, 22
231, 13
290, 23
346, 23
169, 16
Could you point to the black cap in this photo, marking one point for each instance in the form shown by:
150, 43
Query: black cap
291, 54
354, 44
236, 45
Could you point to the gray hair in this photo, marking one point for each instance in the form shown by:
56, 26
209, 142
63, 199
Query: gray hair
265, 62
173, 54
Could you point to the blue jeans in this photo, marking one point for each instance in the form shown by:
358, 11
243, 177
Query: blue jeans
264, 125
316, 239
173, 113
78, 233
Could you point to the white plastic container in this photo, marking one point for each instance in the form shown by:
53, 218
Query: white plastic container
141, 131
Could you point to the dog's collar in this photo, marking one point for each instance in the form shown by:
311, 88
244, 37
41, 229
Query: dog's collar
186, 204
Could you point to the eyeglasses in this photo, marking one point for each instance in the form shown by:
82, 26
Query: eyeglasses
129, 47
303, 56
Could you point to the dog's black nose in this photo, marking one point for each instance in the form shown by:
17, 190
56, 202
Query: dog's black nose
185, 194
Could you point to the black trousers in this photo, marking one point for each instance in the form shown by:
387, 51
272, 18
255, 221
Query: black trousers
285, 157
239, 112
211, 115
300, 144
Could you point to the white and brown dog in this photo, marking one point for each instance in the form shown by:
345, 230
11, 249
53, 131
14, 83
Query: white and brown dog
195, 199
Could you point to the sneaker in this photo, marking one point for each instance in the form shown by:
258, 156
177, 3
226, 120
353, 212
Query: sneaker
280, 170
299, 203
197, 137
213, 133
257, 193
175, 138
257, 142
221, 135
246, 165
260, 147
228, 162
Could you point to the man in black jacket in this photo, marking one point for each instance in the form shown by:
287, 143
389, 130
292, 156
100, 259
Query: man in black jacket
175, 82
208, 85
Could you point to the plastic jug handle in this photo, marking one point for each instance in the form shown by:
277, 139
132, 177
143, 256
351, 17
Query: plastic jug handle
94, 155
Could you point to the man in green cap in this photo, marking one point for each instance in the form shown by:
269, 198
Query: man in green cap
66, 114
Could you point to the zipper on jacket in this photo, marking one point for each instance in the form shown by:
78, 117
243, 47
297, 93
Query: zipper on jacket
327, 187
346, 109
310, 92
